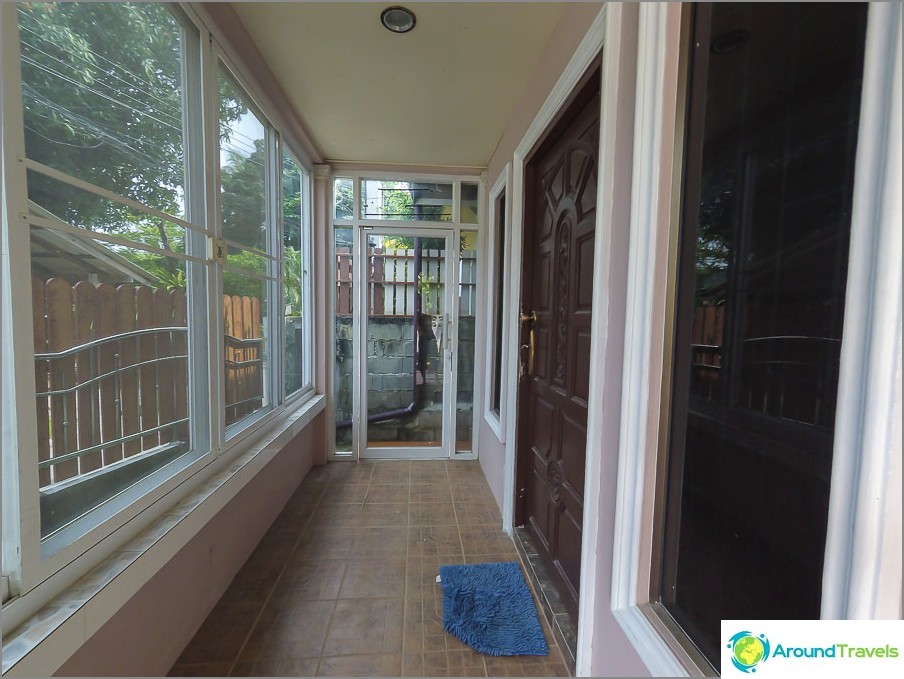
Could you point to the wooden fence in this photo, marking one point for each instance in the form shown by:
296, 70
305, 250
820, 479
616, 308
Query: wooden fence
392, 283
706, 343
111, 367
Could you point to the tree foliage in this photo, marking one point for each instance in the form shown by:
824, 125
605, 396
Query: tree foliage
103, 101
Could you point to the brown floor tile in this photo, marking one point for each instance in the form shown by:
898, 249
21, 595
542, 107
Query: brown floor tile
431, 514
387, 515
472, 492
391, 472
478, 540
475, 514
220, 669
350, 493
314, 580
433, 541
336, 517
454, 664
364, 626
370, 580
431, 492
388, 493
428, 471
354, 473
298, 631
344, 581
373, 665
413, 665
379, 543
221, 635
325, 543
494, 558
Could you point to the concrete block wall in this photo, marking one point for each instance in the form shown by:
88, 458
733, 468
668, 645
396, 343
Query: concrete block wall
390, 361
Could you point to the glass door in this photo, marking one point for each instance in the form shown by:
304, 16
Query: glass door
406, 333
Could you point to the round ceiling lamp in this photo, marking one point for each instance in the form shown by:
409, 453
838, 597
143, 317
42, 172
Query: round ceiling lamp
398, 19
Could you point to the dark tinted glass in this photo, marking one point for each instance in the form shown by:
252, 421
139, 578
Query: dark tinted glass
774, 105
499, 292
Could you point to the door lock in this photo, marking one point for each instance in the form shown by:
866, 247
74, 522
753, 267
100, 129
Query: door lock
530, 346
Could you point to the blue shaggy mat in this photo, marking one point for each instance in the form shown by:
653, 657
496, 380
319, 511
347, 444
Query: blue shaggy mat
489, 607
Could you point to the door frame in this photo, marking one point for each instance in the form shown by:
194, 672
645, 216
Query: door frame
605, 28
355, 173
450, 336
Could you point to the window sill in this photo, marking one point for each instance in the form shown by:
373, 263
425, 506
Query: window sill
41, 644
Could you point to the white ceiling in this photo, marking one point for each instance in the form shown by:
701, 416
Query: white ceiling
439, 95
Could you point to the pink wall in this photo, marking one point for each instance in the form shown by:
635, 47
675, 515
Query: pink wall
568, 33
147, 635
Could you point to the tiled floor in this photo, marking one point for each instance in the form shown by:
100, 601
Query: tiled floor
344, 582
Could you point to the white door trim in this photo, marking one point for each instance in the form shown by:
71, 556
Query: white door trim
588, 49
865, 498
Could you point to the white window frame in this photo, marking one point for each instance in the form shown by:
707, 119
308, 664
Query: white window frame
33, 578
307, 387
869, 398
497, 281
43, 564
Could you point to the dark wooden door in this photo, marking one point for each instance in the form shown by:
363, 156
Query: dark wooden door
557, 292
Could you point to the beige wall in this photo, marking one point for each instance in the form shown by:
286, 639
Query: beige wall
611, 652
147, 635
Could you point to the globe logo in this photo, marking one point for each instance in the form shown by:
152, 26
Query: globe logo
747, 650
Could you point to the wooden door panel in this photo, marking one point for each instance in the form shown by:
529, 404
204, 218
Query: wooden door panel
557, 286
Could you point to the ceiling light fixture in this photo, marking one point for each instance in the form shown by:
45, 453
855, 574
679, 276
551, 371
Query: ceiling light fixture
398, 19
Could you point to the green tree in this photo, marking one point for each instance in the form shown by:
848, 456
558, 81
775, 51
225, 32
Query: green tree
102, 101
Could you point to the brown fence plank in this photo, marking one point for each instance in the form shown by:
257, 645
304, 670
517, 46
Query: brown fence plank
106, 364
241, 355
87, 416
60, 334
163, 318
378, 293
254, 331
128, 356
180, 348
42, 377
231, 377
344, 282
251, 371
147, 374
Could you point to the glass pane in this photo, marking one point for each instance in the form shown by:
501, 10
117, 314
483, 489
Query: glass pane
243, 157
760, 313
344, 352
343, 195
105, 216
102, 93
293, 273
246, 362
111, 370
426, 201
468, 212
405, 319
467, 325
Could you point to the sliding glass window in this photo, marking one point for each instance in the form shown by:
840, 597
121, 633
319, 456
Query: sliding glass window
128, 240
104, 108
296, 274
247, 221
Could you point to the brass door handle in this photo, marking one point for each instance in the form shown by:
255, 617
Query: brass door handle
530, 346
